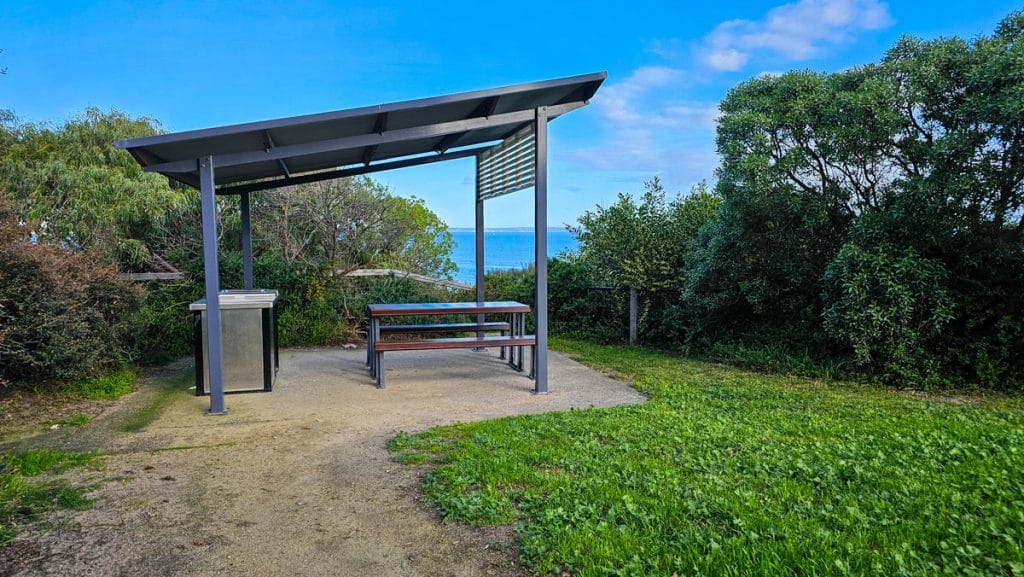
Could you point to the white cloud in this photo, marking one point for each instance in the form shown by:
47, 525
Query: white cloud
795, 31
651, 129
618, 101
650, 97
726, 59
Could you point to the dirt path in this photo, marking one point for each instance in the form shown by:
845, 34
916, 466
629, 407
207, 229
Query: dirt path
296, 482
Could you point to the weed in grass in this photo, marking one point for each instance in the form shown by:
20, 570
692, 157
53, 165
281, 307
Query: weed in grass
80, 420
110, 386
410, 458
22, 498
729, 472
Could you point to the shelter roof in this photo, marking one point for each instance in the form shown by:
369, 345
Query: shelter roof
285, 151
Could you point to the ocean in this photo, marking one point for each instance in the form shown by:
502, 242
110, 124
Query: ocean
504, 248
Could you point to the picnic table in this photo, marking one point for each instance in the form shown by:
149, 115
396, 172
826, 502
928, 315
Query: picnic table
512, 331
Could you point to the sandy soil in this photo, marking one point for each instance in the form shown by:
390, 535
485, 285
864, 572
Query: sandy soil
295, 482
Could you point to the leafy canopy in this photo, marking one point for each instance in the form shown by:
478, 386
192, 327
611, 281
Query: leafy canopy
77, 189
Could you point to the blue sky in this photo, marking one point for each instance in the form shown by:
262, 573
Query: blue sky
198, 64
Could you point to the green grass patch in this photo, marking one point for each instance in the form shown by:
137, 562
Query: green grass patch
110, 386
730, 472
79, 420
23, 498
158, 400
34, 463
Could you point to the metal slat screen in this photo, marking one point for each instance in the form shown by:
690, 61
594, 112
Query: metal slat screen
507, 167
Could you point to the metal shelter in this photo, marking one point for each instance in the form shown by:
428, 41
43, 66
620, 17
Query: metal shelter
245, 158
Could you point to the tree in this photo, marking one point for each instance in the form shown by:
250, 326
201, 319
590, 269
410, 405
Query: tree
350, 223
914, 162
64, 314
78, 190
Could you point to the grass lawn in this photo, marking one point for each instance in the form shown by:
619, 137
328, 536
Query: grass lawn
23, 496
728, 472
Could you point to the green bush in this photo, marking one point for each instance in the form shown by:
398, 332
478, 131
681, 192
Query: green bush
576, 304
888, 306
64, 315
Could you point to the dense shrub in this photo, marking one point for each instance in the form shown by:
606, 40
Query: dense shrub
577, 304
63, 314
889, 306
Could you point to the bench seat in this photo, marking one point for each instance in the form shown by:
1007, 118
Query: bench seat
377, 366
456, 343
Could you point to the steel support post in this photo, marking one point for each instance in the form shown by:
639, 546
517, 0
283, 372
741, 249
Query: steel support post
211, 273
479, 247
247, 281
540, 228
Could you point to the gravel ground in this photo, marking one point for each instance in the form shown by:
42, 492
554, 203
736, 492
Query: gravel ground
295, 482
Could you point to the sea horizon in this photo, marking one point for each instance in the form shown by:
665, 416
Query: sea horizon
505, 248
503, 228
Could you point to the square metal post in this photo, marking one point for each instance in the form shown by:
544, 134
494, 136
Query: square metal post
540, 231
479, 245
211, 273
247, 281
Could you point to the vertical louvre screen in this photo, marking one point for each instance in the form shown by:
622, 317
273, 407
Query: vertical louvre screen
507, 167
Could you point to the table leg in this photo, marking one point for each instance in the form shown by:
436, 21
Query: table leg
522, 332
374, 337
505, 333
514, 325
369, 342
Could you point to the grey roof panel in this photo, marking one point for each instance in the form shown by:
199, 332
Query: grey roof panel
440, 119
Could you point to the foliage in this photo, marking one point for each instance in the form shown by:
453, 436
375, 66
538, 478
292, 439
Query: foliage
576, 308
63, 313
77, 189
79, 420
724, 472
910, 169
349, 223
77, 194
780, 359
643, 244
23, 499
303, 237
35, 463
110, 386
314, 308
575, 305
889, 307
